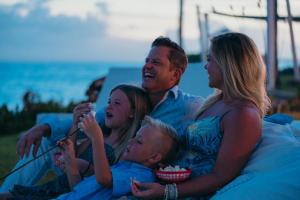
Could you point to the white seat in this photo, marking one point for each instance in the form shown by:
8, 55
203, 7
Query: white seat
194, 81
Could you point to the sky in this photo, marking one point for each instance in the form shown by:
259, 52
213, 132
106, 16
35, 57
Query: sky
122, 30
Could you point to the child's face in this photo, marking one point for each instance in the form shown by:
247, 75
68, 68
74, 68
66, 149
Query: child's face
141, 148
118, 111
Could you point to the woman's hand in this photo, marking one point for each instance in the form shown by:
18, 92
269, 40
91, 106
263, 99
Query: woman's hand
147, 190
90, 126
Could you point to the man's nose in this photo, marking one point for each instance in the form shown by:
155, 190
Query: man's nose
148, 65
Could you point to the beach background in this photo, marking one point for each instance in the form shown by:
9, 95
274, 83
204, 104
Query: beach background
57, 48
62, 82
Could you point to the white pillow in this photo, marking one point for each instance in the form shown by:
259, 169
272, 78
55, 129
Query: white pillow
273, 171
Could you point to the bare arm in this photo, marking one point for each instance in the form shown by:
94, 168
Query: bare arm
101, 164
242, 131
69, 163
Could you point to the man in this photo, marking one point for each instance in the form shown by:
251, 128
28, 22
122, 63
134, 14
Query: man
161, 73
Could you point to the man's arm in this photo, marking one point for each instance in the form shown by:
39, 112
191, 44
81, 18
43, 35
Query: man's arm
32, 136
52, 126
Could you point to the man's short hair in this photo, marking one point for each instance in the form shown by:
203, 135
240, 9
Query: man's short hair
177, 54
168, 131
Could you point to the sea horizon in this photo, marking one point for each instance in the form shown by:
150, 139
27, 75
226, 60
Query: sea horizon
61, 81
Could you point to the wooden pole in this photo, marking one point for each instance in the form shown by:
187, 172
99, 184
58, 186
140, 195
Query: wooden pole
272, 44
180, 22
201, 31
296, 70
206, 36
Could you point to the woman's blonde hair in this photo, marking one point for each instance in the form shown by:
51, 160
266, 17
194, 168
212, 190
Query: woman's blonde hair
141, 105
243, 71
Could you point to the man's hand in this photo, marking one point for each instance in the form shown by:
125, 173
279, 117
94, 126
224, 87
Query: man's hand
32, 136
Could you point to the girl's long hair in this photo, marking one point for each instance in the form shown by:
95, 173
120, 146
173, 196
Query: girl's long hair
141, 105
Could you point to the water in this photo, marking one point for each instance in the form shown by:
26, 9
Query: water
60, 81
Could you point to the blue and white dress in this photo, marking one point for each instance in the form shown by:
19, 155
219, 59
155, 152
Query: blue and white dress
201, 141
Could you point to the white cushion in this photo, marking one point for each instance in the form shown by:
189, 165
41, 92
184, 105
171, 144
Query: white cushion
273, 171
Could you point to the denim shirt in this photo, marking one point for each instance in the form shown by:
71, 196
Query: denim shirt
175, 108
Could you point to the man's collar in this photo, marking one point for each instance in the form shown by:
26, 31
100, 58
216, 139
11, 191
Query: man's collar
174, 91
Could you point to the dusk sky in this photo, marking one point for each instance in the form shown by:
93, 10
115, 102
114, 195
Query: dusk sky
120, 30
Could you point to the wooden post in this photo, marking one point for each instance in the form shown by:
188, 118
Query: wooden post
272, 44
201, 31
206, 31
296, 70
180, 22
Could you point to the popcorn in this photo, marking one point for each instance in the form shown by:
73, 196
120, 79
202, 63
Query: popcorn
92, 112
173, 174
79, 125
171, 169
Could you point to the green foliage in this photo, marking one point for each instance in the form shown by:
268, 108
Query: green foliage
287, 82
194, 58
15, 121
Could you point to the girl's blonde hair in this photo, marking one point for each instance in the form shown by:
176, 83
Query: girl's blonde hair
243, 71
141, 105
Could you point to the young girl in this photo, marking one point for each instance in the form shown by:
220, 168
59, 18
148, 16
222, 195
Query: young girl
126, 108
127, 105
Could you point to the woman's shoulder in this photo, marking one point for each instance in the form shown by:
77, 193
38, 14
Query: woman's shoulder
243, 112
243, 108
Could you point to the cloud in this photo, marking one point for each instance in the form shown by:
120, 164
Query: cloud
31, 32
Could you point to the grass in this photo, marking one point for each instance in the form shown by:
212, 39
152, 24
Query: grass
9, 157
7, 153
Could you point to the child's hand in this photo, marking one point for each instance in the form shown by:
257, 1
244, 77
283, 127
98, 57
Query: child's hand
81, 110
59, 161
68, 160
90, 126
134, 184
147, 190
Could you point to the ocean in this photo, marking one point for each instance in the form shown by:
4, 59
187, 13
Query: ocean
60, 81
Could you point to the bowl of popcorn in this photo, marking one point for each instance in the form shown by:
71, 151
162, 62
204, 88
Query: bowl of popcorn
173, 174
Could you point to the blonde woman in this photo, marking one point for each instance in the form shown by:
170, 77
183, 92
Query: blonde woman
228, 126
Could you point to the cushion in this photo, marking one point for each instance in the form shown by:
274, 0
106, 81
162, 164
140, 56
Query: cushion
273, 170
